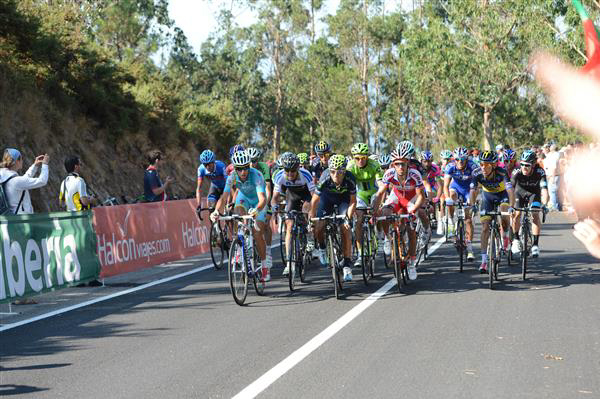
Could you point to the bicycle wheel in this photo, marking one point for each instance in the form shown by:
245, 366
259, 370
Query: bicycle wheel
387, 261
374, 245
491, 256
524, 252
217, 246
397, 262
460, 243
365, 254
257, 276
291, 262
238, 277
403, 240
333, 263
304, 257
499, 252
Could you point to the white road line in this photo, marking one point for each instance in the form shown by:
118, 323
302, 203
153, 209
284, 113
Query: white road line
263, 382
111, 296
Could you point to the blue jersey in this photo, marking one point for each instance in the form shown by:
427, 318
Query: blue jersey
217, 177
462, 178
254, 184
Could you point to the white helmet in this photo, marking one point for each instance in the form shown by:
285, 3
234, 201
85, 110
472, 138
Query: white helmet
240, 158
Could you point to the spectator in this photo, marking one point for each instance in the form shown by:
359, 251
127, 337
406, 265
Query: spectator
553, 173
154, 190
73, 193
499, 150
73, 190
17, 187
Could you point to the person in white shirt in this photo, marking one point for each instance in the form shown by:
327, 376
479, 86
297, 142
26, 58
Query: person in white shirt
16, 188
552, 169
73, 190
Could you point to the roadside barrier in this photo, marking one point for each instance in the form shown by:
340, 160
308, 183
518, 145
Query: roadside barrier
45, 252
138, 236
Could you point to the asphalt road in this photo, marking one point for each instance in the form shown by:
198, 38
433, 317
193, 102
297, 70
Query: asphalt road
446, 336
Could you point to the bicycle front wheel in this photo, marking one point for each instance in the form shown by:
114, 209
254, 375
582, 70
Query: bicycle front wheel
238, 277
397, 262
460, 229
335, 272
524, 253
291, 263
491, 256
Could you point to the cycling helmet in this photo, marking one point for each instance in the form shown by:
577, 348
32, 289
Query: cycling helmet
360, 149
461, 153
405, 149
374, 157
337, 162
508, 155
235, 148
207, 156
529, 156
254, 153
396, 155
240, 158
278, 163
446, 154
303, 157
489, 156
322, 146
426, 156
385, 160
289, 160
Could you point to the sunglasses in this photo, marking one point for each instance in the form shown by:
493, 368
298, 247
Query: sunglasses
526, 165
290, 170
361, 158
241, 168
400, 163
337, 171
208, 164
461, 159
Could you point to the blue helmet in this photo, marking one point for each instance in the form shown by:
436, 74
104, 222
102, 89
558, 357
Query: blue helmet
235, 148
529, 156
426, 156
508, 155
207, 156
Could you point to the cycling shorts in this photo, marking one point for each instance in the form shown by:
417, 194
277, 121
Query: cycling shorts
327, 205
244, 202
294, 199
399, 204
463, 192
523, 198
214, 193
490, 202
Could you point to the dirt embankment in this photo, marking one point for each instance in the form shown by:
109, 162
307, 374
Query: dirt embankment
112, 167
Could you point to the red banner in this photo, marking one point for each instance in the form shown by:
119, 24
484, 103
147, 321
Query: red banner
133, 237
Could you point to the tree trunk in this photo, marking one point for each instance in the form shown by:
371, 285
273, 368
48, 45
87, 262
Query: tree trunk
278, 94
488, 140
364, 73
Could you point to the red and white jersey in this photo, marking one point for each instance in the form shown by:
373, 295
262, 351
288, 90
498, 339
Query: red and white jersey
407, 187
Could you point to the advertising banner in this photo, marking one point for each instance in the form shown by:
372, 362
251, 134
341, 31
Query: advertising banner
44, 252
137, 236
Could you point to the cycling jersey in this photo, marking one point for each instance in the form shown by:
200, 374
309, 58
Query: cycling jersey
433, 174
317, 168
497, 182
528, 188
296, 191
461, 179
216, 177
250, 188
332, 195
366, 178
416, 164
403, 190
264, 169
508, 169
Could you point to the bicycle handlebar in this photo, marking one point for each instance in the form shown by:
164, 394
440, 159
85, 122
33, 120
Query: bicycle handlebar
396, 217
200, 210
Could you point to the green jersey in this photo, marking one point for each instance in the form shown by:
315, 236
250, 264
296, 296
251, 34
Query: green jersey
366, 178
264, 169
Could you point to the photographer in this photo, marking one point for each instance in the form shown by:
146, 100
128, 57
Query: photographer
16, 188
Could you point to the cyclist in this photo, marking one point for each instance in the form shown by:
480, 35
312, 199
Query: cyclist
408, 148
366, 173
476, 156
446, 158
303, 157
458, 177
385, 163
263, 168
406, 196
320, 163
297, 185
233, 150
508, 161
214, 171
530, 185
433, 175
336, 187
251, 199
497, 191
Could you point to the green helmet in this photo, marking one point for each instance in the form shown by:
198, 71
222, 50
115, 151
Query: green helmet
303, 157
337, 162
360, 149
